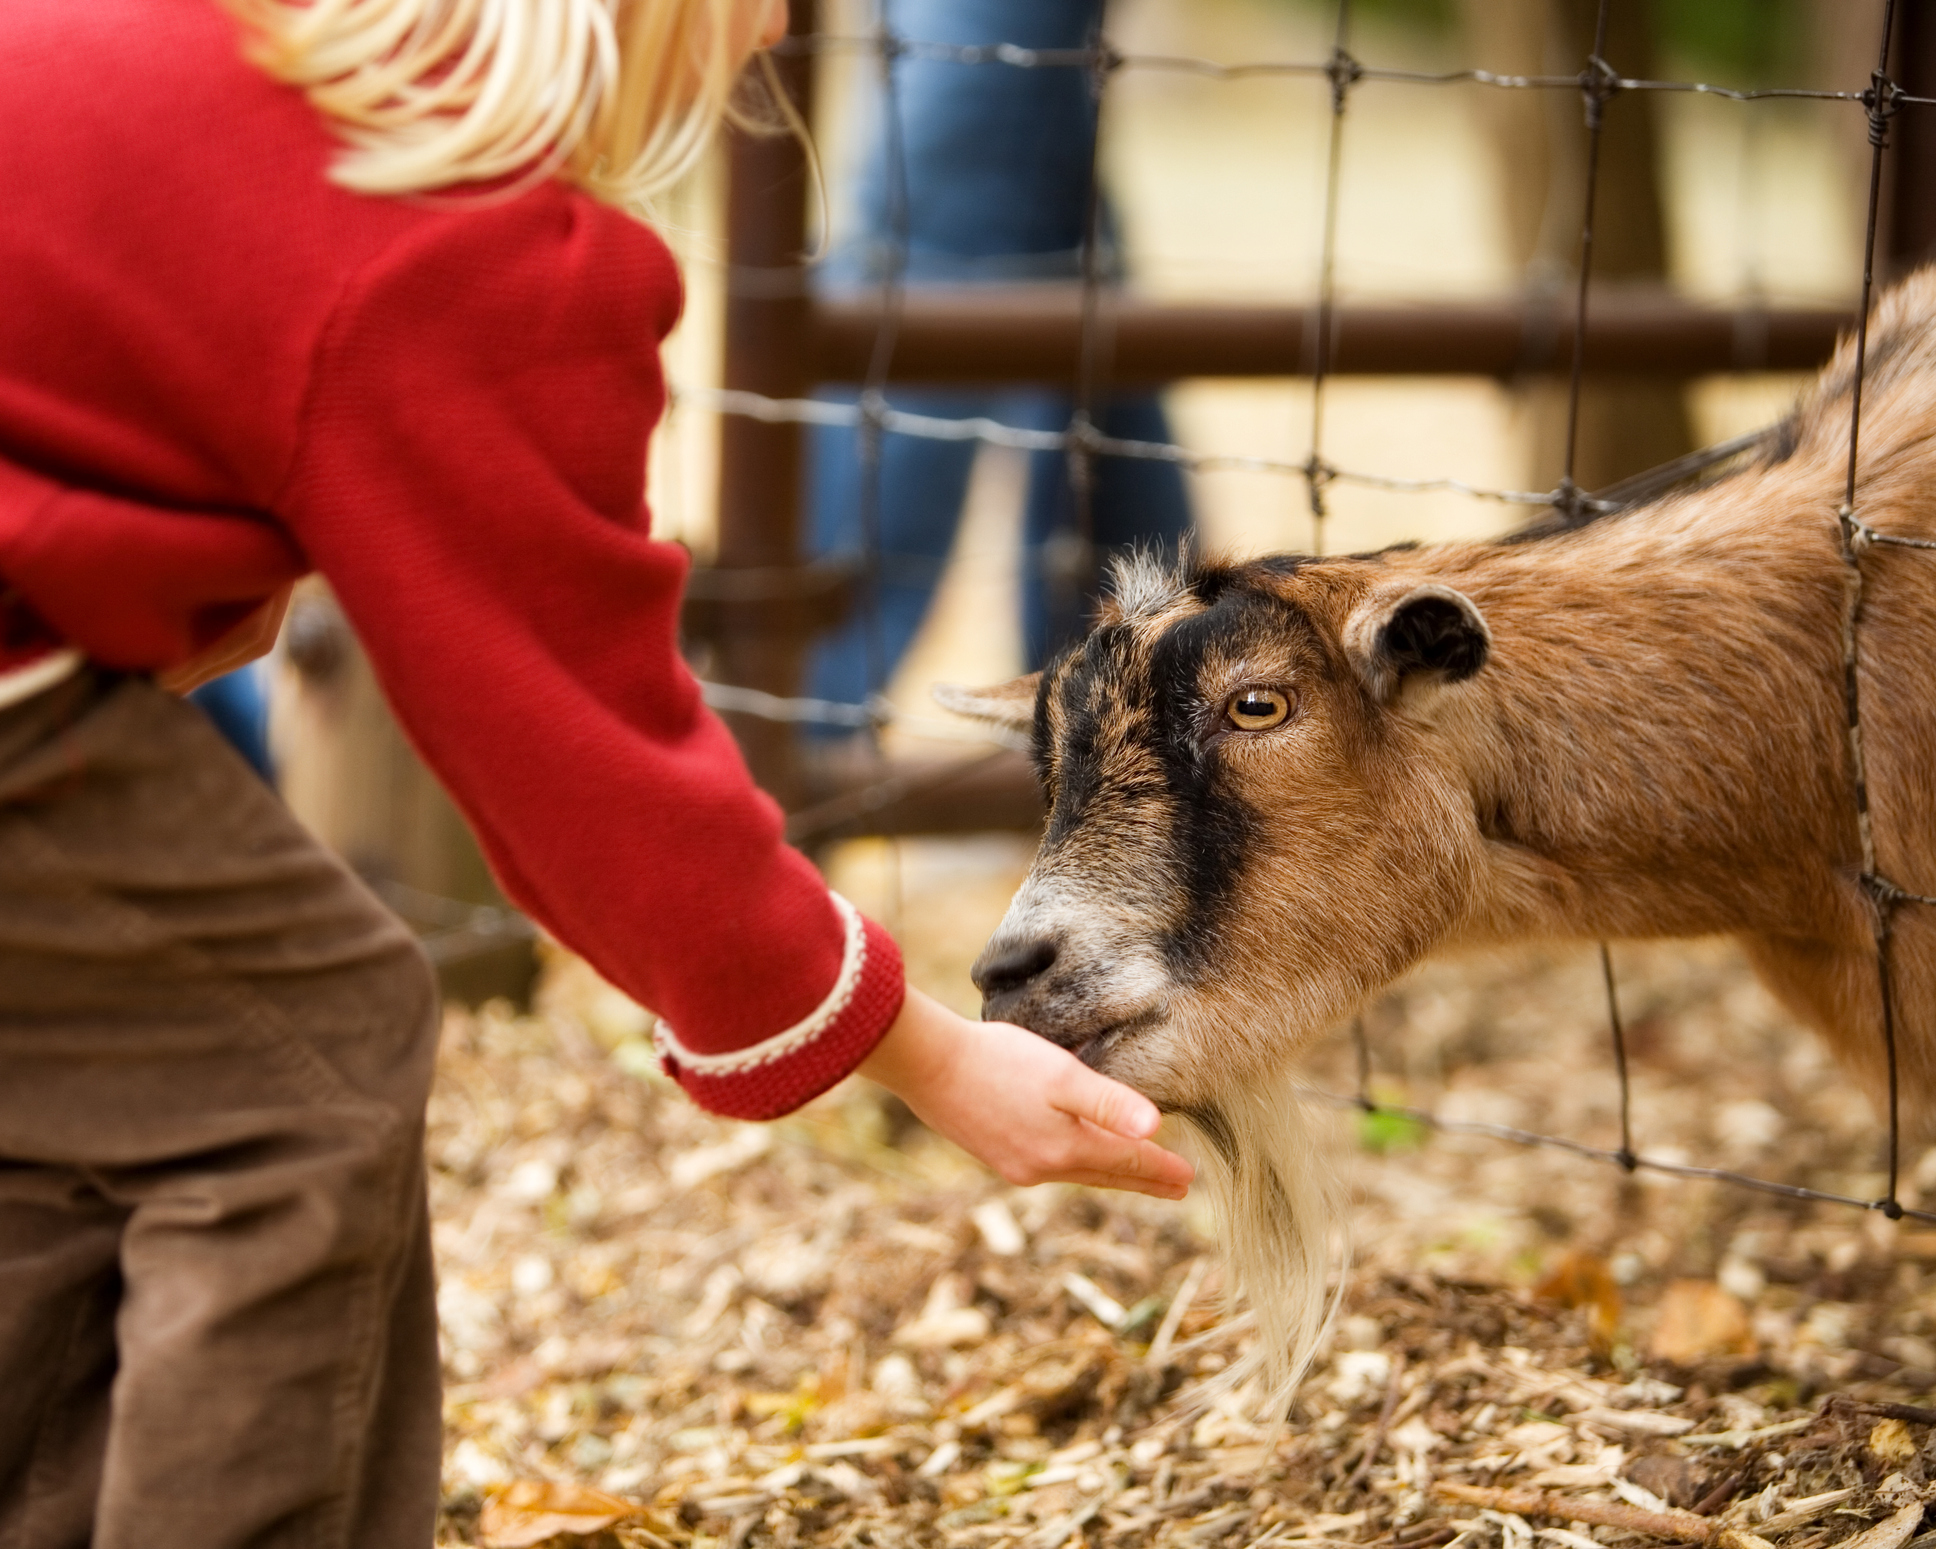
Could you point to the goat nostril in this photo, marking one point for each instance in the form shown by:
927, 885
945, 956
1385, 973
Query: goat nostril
1013, 967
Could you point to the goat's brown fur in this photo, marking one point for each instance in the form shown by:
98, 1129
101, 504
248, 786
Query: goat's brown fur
1655, 745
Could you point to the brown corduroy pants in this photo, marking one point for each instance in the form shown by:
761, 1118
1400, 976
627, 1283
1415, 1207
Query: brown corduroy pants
217, 1324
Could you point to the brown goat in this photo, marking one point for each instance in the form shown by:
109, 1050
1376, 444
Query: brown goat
1275, 786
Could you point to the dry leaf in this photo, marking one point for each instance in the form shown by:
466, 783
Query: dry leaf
691, 1168
1891, 1442
1106, 1309
1675, 1480
946, 1319
939, 1330
1699, 1320
532, 1510
1583, 1280
1000, 1232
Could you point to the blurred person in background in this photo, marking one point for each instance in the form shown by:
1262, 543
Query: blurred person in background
238, 704
998, 164
359, 288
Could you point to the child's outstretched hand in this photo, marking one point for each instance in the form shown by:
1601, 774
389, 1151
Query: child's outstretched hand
1033, 1112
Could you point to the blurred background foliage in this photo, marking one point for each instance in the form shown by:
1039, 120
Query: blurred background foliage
1735, 42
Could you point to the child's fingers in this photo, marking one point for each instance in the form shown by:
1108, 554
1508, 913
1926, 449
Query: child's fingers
1128, 1184
1086, 1094
1100, 1152
1150, 1161
1080, 1152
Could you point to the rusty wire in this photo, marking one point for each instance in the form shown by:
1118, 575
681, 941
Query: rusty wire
1882, 102
1598, 82
1343, 72
1016, 56
818, 411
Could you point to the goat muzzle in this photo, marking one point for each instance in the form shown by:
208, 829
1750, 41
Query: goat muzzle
1009, 971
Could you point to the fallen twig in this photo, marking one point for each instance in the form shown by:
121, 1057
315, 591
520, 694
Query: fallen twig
1802, 1512
1729, 1486
1682, 1525
1375, 1443
1057, 1532
1745, 1438
1159, 1350
1909, 1414
1890, 1532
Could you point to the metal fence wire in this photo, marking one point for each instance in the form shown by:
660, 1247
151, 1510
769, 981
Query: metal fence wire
1598, 81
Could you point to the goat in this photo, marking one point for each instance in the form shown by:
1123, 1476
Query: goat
1273, 787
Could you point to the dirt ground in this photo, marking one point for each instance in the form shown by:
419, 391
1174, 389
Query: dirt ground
663, 1329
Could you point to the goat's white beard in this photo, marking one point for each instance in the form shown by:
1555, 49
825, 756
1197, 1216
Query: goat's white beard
1275, 1201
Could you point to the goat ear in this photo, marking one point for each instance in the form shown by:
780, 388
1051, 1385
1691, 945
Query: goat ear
1006, 704
1426, 633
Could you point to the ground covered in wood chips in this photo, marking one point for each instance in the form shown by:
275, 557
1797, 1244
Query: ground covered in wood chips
663, 1329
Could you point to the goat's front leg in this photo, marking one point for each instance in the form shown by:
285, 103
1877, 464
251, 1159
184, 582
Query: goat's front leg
1832, 986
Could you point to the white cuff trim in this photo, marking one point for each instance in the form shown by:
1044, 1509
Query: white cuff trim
853, 959
22, 683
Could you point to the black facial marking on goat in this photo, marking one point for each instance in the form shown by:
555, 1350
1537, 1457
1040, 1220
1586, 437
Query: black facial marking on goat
1134, 774
1208, 584
1086, 721
1042, 736
1215, 831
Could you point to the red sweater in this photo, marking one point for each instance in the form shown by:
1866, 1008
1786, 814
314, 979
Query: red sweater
218, 371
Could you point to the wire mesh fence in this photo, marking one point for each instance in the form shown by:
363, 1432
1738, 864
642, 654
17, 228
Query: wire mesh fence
1081, 442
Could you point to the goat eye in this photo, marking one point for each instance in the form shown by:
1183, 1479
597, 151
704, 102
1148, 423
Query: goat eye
1258, 709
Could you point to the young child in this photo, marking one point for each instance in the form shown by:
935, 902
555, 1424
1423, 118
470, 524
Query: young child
352, 285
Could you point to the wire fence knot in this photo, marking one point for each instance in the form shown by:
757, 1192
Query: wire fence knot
1105, 59
1598, 83
1343, 72
1883, 101
1571, 503
870, 424
1082, 436
1861, 536
1887, 896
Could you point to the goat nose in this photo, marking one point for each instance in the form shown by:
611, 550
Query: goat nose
1005, 969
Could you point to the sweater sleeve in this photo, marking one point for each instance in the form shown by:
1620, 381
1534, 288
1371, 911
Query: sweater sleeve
469, 477
135, 586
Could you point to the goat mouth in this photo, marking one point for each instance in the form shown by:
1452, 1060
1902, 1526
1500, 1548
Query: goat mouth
1099, 1043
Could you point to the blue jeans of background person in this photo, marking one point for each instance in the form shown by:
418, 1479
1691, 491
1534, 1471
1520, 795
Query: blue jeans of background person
238, 704
998, 165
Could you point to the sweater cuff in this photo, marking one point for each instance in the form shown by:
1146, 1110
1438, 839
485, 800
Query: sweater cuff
778, 1074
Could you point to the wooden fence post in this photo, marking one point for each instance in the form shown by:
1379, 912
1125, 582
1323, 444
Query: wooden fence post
761, 466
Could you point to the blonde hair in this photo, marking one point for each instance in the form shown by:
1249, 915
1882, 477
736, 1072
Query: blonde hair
620, 97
